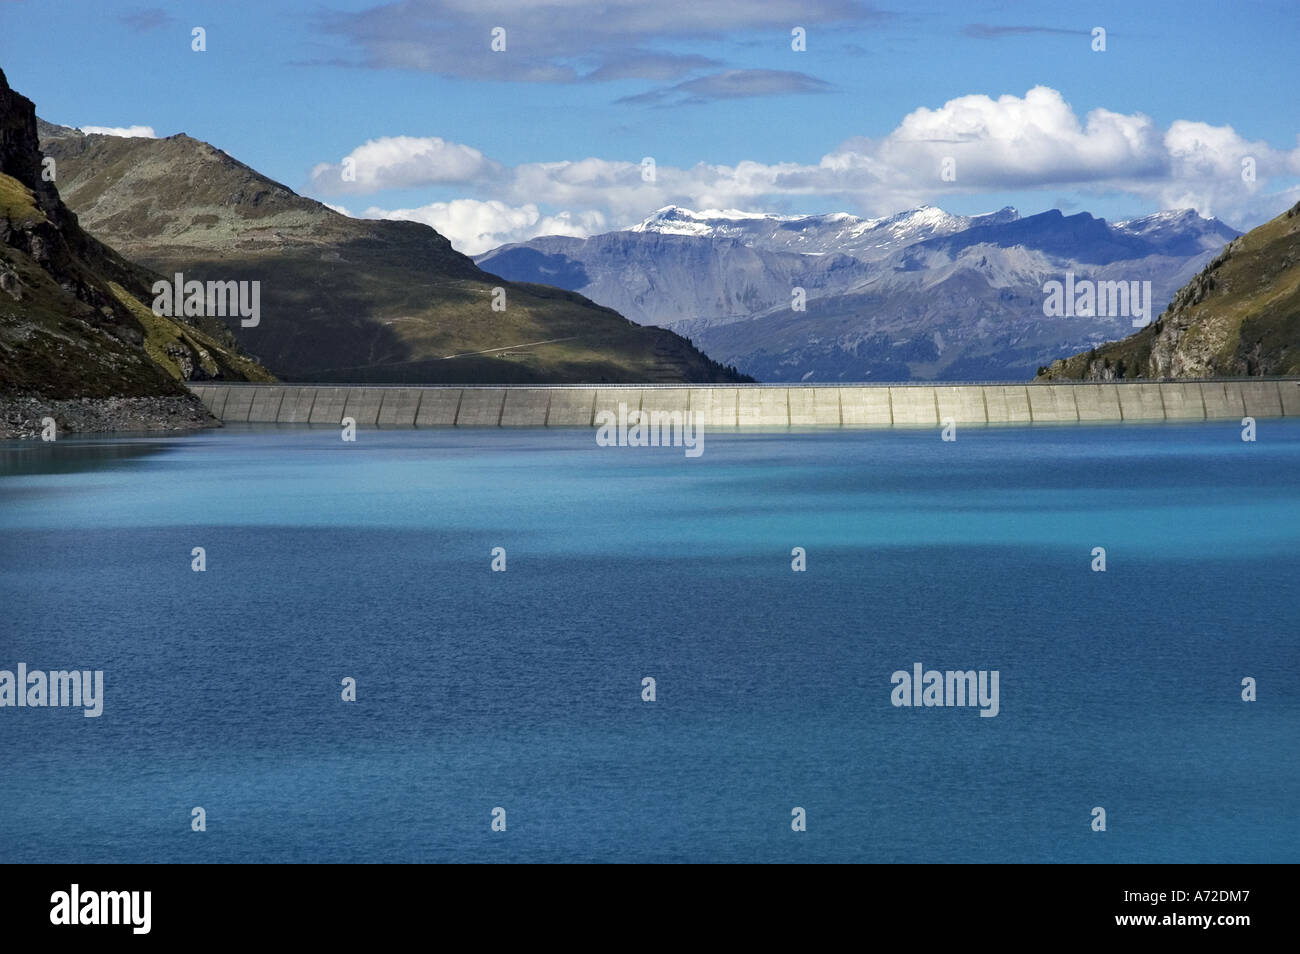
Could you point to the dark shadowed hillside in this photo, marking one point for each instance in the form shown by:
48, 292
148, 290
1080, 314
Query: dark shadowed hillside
348, 299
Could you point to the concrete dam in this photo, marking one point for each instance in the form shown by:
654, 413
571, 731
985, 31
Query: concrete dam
756, 405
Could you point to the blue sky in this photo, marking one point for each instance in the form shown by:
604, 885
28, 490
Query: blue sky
549, 134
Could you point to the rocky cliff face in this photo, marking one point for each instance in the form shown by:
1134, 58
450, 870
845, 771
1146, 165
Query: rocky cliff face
75, 320
1239, 316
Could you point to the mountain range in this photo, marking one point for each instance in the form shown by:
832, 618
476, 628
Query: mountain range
923, 294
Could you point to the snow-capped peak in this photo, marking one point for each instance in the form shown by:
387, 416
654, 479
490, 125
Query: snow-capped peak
820, 234
1179, 230
1180, 217
675, 220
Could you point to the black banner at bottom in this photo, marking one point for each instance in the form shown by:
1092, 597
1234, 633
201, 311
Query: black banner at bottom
94, 903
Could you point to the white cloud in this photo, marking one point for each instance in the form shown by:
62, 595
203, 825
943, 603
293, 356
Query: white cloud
1020, 142
144, 132
473, 226
1207, 164
397, 162
1012, 143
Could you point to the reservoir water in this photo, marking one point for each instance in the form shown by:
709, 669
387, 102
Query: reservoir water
773, 689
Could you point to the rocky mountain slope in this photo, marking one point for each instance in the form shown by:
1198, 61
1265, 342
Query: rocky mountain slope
346, 299
1238, 316
75, 321
918, 295
672, 280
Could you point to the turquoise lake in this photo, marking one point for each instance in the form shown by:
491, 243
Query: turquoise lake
522, 689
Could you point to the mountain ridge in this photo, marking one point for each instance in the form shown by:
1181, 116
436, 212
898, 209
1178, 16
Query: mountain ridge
355, 300
918, 295
817, 233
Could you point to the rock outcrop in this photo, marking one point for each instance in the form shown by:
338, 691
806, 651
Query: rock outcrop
1238, 317
75, 320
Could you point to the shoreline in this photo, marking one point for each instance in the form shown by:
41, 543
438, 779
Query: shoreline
760, 406
21, 415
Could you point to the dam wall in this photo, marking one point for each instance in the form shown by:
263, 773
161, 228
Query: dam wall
756, 406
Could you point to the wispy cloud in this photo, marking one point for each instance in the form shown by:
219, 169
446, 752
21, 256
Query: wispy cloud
995, 31
640, 64
731, 84
587, 41
142, 21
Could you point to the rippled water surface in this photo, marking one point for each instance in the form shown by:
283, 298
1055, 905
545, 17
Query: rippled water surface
522, 690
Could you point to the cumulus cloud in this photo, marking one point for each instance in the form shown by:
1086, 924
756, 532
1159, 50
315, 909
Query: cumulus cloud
1208, 166
396, 162
144, 132
474, 226
1022, 142
1009, 143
